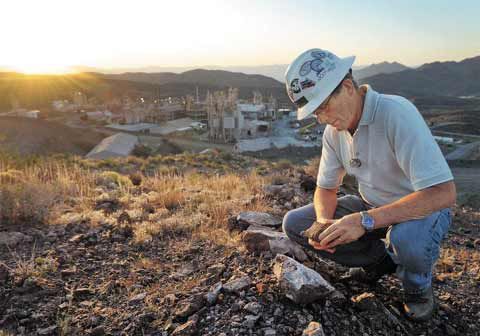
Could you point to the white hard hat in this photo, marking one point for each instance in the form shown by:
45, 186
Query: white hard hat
313, 76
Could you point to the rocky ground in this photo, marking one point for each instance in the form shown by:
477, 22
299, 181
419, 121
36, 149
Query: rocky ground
82, 275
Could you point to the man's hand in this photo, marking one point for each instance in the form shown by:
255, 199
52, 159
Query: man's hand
343, 231
314, 231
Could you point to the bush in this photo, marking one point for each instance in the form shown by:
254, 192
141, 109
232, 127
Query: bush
25, 203
142, 151
107, 178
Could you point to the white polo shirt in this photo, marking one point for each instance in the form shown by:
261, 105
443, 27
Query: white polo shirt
396, 149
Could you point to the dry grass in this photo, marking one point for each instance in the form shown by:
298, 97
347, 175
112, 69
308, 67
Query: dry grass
168, 201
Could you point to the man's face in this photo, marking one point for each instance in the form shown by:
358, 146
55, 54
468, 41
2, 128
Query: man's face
339, 111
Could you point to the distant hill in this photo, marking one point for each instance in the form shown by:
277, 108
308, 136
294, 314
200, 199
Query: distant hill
31, 136
218, 78
432, 79
375, 69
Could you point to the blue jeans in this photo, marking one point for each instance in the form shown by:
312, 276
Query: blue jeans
413, 245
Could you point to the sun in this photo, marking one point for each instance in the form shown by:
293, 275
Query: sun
35, 67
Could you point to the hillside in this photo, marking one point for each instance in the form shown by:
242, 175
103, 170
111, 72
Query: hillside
432, 79
29, 136
153, 247
380, 68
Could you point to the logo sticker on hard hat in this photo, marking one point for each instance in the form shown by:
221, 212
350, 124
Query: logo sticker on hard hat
322, 63
294, 85
307, 83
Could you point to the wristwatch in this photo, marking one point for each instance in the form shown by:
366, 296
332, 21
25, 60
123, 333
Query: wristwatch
368, 222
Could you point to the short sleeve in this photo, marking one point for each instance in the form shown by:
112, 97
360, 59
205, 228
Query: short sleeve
331, 170
415, 148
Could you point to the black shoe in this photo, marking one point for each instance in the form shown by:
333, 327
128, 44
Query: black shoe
419, 307
372, 273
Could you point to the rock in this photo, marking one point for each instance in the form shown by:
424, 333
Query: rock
279, 191
212, 296
276, 242
366, 302
253, 307
313, 329
300, 283
259, 219
47, 331
186, 329
190, 306
13, 238
77, 238
4, 274
269, 332
183, 272
98, 331
137, 298
237, 285
216, 269
250, 321
81, 292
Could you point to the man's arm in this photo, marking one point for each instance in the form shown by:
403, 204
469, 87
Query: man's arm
416, 205
325, 202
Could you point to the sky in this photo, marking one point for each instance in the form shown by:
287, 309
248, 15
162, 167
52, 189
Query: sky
49, 36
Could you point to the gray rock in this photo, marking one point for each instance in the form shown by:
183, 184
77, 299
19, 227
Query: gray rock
250, 321
269, 332
212, 296
47, 331
253, 307
259, 219
300, 283
313, 329
216, 269
13, 238
137, 298
258, 240
237, 285
279, 191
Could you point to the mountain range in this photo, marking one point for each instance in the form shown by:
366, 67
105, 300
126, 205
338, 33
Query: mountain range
447, 79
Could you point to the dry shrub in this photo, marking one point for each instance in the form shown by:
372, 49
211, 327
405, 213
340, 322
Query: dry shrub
283, 165
25, 203
277, 179
11, 176
107, 178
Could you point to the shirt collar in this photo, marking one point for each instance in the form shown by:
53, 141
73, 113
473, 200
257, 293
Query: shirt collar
369, 107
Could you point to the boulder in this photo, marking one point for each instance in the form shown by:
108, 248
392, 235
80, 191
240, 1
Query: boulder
300, 283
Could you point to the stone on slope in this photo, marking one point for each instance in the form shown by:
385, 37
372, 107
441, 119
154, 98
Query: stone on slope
259, 218
13, 238
300, 283
237, 285
313, 329
257, 240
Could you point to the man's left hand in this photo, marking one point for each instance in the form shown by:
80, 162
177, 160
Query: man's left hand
345, 230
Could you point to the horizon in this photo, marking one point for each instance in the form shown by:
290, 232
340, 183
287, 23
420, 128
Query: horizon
53, 36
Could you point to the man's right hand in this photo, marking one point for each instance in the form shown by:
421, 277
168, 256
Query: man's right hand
314, 231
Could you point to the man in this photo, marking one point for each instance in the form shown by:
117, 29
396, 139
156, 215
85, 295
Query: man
405, 184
